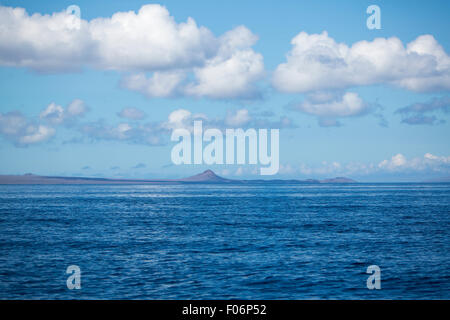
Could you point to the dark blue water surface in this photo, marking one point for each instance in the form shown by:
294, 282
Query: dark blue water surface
225, 241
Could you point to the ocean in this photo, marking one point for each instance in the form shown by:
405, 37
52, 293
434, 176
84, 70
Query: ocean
219, 241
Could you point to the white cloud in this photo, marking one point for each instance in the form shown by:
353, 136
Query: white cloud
24, 131
430, 156
151, 133
350, 104
397, 165
328, 107
149, 41
318, 62
12, 123
231, 73
36, 134
53, 114
76, 108
160, 84
428, 162
43, 42
237, 119
179, 116
56, 114
231, 77
396, 161
15, 127
121, 130
240, 118
182, 118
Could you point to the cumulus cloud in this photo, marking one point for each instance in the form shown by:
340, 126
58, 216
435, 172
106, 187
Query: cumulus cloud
24, 131
157, 53
46, 43
53, 113
230, 77
132, 113
182, 118
328, 107
318, 62
231, 73
147, 40
428, 162
150, 40
15, 127
350, 104
56, 114
238, 118
396, 161
77, 108
158, 132
415, 114
160, 84
36, 134
396, 166
149, 133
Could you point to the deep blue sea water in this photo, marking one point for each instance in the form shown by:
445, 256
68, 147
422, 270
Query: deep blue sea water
225, 241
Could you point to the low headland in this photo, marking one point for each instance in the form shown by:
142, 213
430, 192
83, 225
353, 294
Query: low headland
207, 176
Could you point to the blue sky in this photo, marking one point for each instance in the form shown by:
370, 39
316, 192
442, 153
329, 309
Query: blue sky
372, 105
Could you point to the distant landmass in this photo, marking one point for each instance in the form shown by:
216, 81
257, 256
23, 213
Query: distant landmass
437, 180
207, 176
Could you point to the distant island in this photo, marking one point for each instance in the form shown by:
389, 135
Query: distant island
207, 176
438, 180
